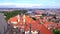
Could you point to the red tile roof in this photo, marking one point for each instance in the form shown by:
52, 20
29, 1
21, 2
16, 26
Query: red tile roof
35, 24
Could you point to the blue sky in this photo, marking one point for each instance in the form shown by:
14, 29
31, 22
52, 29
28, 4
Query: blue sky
30, 3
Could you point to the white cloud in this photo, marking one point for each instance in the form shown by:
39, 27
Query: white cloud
21, 4
6, 4
29, 5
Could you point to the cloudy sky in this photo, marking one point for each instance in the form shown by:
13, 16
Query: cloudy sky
30, 3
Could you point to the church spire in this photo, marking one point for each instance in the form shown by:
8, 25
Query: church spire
18, 18
24, 19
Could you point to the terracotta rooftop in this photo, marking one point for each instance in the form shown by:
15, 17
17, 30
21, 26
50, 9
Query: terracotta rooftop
28, 21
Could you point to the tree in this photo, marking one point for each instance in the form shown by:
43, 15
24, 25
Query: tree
56, 31
14, 13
